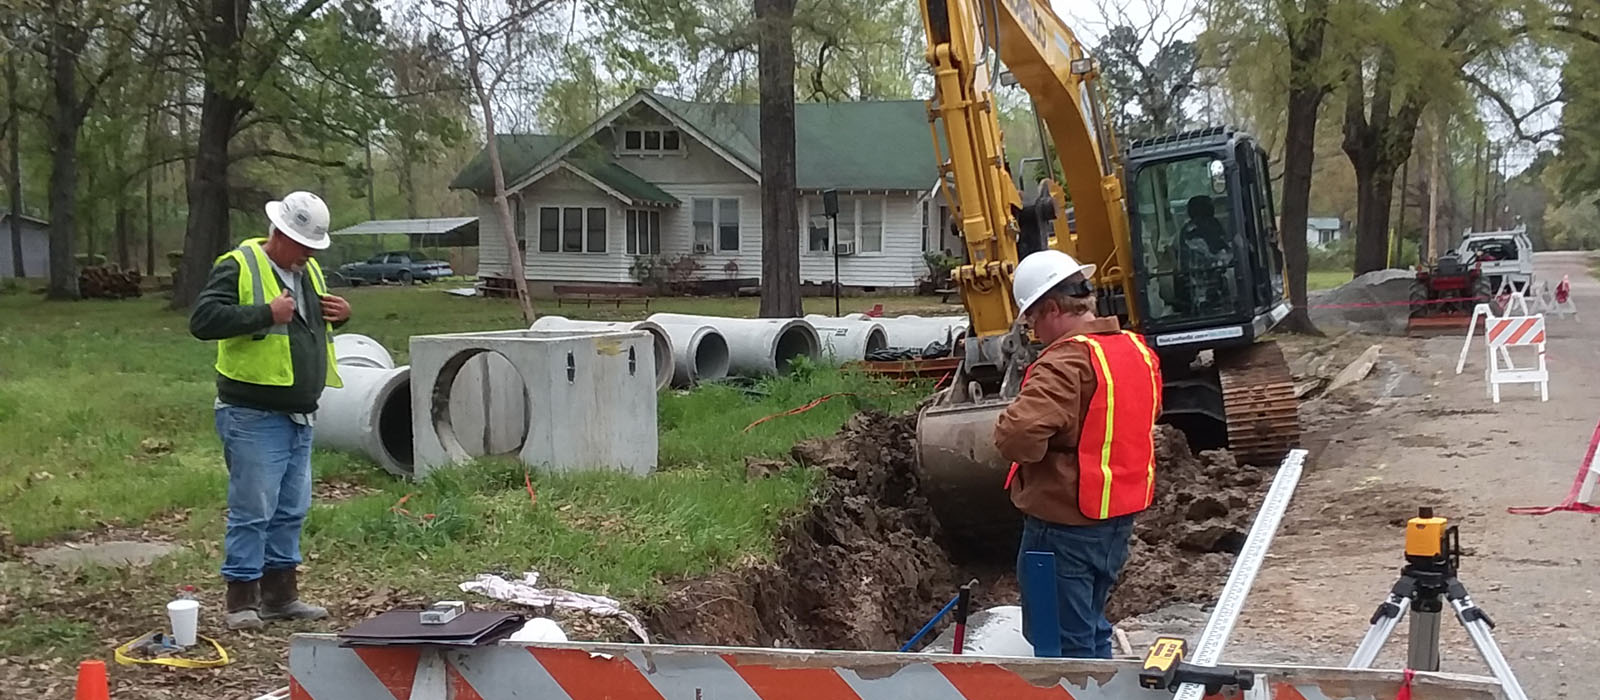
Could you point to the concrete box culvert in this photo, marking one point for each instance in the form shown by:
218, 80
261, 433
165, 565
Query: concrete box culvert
591, 398
356, 350
662, 342
758, 346
848, 340
369, 415
699, 353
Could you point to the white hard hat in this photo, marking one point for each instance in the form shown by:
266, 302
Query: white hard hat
1042, 271
301, 216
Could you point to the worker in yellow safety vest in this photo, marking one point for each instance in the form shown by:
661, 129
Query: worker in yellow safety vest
1080, 435
267, 305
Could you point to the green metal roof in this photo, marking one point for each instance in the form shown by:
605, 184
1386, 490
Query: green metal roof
880, 145
618, 178
518, 153
844, 145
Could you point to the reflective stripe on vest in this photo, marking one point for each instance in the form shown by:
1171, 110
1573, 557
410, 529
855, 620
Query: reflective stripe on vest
1116, 444
266, 358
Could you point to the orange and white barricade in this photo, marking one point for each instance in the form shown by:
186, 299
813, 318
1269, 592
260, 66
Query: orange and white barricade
321, 668
1485, 314
1507, 332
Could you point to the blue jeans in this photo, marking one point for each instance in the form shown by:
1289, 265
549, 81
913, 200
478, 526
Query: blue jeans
269, 490
1088, 559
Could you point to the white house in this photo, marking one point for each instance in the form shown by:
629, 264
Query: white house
1323, 230
657, 176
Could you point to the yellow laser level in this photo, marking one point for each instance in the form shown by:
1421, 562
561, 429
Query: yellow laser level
1161, 662
1425, 535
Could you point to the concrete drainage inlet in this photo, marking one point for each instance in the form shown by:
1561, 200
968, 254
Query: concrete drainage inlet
481, 404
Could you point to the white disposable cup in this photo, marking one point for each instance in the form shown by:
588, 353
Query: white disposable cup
185, 616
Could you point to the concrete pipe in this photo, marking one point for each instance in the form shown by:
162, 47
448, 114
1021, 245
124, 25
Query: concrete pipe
370, 415
919, 332
356, 350
699, 352
758, 346
661, 342
848, 340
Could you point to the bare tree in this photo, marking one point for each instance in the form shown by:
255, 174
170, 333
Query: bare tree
492, 35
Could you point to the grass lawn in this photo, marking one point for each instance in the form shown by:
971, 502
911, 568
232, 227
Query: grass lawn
106, 411
1326, 279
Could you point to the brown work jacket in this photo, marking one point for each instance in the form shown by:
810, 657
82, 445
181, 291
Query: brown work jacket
1039, 430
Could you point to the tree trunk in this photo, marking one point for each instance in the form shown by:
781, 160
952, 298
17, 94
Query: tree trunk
63, 126
124, 252
149, 194
1306, 91
1429, 253
1299, 154
780, 234
502, 209
404, 173
206, 233
14, 137
372, 195
1374, 195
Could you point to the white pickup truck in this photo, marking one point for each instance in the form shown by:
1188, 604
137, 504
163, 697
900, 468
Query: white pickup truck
1504, 255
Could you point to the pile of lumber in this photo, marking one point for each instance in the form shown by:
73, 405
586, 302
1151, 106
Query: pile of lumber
108, 282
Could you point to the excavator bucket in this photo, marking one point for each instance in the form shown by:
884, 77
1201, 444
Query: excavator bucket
964, 477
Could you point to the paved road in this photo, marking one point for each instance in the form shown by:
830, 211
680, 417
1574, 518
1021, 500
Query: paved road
1442, 443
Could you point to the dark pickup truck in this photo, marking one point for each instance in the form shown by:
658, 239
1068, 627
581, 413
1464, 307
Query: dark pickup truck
396, 267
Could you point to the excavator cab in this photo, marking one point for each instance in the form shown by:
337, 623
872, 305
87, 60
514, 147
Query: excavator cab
1210, 274
1205, 244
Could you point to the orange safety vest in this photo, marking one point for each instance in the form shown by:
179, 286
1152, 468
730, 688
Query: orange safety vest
1116, 448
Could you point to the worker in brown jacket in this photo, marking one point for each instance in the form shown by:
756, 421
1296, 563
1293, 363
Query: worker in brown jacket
1080, 437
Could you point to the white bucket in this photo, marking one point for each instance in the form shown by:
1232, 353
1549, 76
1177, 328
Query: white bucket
185, 616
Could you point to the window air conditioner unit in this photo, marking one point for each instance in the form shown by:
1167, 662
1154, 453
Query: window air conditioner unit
847, 248
702, 248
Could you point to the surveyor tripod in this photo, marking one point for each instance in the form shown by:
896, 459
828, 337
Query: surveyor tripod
1427, 582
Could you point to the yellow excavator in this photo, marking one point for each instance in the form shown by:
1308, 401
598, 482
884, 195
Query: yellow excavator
1181, 227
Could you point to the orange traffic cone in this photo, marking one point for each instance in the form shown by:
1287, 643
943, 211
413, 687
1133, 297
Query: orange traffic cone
92, 681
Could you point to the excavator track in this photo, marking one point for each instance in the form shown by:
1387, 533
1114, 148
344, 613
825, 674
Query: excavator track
1258, 397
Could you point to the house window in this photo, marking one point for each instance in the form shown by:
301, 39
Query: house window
651, 141
716, 225
572, 230
860, 223
549, 229
521, 228
1324, 237
644, 232
597, 230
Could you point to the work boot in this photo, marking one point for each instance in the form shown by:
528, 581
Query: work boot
243, 600
280, 598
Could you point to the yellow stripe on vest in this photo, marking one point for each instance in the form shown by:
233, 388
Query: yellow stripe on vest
1155, 408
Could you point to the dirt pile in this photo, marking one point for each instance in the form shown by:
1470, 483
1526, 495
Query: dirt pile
859, 570
1376, 302
1184, 544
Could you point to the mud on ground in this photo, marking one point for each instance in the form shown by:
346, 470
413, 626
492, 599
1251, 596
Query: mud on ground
861, 568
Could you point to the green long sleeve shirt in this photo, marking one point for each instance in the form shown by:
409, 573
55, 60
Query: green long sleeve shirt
217, 314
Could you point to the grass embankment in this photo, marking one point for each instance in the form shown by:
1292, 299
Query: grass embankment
1326, 279
105, 408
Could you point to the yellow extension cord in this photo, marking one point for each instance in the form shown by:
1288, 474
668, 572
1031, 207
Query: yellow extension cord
221, 660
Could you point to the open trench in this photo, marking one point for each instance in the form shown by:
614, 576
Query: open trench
862, 567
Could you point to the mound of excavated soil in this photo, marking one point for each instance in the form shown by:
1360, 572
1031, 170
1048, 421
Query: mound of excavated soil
856, 571
1184, 544
861, 568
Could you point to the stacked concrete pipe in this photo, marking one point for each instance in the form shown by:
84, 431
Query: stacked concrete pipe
848, 339
918, 332
661, 341
757, 346
357, 350
699, 352
371, 415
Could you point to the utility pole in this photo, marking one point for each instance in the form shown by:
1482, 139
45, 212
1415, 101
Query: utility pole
1433, 193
